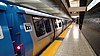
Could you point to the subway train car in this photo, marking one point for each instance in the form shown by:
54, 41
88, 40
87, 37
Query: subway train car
6, 46
27, 32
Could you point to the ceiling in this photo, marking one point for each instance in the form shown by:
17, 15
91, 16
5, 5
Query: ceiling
61, 8
44, 5
74, 3
75, 7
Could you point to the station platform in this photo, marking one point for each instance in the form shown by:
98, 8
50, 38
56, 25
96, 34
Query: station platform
73, 44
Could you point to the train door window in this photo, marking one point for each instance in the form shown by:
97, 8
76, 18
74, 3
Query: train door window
47, 25
56, 26
65, 22
39, 26
60, 24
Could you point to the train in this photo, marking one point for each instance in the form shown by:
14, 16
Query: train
26, 32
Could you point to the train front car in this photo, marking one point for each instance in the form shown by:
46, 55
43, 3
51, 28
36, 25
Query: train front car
6, 46
19, 31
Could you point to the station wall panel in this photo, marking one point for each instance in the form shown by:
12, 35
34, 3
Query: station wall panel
91, 28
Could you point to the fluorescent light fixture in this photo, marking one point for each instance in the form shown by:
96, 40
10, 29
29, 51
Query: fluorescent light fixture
92, 4
1, 3
71, 0
74, 3
35, 1
74, 16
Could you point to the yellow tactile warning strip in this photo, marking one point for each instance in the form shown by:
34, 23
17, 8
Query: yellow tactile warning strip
70, 26
51, 50
64, 33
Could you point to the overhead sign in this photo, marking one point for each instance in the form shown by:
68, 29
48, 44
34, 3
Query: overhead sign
27, 27
92, 4
1, 33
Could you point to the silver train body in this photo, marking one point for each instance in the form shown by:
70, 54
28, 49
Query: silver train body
44, 29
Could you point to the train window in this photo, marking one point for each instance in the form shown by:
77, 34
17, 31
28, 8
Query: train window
39, 27
56, 26
65, 22
60, 24
47, 25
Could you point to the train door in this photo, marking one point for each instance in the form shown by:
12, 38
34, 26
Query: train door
54, 26
6, 46
49, 28
57, 23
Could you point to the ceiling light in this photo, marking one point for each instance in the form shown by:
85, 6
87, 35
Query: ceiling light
71, 0
74, 16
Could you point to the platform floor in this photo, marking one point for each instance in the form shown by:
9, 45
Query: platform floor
75, 44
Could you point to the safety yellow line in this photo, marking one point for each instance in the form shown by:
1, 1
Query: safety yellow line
70, 26
65, 32
52, 49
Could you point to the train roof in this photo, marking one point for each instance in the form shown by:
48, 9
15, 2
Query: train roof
33, 12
